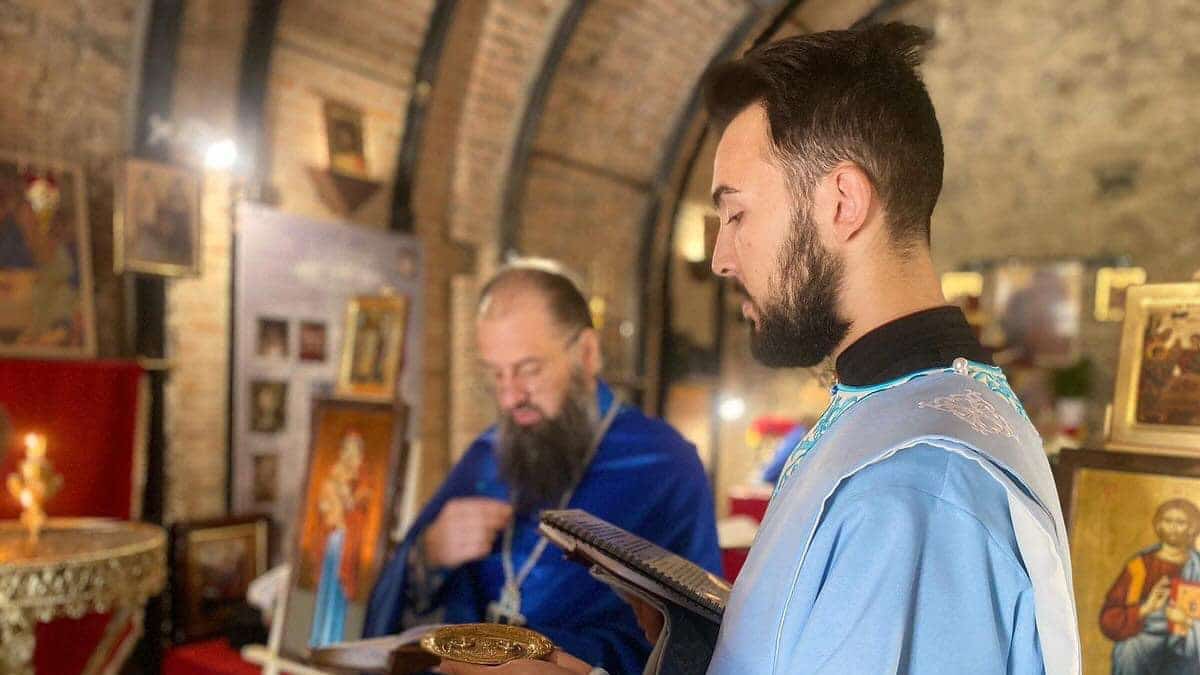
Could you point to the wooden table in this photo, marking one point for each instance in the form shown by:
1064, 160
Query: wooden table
79, 566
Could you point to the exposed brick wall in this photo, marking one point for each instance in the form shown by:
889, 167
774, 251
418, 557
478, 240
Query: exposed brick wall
208, 67
512, 43
625, 76
299, 84
585, 221
1070, 92
196, 420
362, 53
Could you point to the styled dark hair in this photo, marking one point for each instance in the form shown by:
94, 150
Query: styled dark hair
568, 307
847, 95
1189, 509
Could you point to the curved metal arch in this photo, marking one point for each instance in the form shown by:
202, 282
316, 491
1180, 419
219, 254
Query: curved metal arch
510, 213
669, 167
424, 78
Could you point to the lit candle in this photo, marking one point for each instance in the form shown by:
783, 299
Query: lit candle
35, 445
34, 483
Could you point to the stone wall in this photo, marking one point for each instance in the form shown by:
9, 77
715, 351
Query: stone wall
67, 69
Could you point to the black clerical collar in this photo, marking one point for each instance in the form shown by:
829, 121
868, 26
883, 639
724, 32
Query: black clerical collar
931, 338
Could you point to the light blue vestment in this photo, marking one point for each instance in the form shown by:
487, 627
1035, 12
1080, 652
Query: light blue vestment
916, 529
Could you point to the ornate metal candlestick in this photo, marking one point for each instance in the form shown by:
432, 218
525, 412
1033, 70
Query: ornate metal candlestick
35, 482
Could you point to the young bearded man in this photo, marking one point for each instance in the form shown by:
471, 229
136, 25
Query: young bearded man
916, 529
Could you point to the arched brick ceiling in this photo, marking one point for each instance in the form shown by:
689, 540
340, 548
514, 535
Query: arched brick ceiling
614, 101
511, 51
629, 68
380, 37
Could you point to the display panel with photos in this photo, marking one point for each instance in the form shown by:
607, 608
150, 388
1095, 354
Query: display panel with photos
1133, 521
1156, 405
46, 306
304, 272
213, 563
356, 453
158, 219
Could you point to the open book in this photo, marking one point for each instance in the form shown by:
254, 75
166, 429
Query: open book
391, 654
691, 598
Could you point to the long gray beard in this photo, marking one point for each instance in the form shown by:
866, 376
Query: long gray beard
543, 461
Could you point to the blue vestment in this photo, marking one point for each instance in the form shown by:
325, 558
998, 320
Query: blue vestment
644, 478
915, 529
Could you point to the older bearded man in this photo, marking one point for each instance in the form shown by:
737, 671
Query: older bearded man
474, 553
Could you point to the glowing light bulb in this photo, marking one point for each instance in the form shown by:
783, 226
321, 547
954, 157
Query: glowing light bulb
732, 408
221, 155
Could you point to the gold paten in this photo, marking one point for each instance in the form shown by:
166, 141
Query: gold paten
487, 644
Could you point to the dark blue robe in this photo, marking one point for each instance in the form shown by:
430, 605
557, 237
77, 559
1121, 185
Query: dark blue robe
644, 478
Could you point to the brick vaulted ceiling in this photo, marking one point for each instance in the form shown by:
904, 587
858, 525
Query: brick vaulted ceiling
547, 123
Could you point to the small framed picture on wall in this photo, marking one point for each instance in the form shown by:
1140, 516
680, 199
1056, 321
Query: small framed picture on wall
157, 220
372, 347
1156, 405
272, 338
312, 341
268, 405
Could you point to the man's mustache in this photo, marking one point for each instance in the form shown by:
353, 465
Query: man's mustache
524, 407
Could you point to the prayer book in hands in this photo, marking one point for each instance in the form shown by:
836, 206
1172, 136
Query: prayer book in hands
691, 599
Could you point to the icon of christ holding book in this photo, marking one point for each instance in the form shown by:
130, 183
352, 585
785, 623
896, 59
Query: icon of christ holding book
1151, 609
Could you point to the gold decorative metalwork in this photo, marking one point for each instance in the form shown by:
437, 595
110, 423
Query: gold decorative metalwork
1112, 284
487, 644
33, 484
80, 565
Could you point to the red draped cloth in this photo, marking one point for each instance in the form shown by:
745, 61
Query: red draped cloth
91, 415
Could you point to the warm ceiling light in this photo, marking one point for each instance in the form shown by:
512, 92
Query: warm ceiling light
221, 155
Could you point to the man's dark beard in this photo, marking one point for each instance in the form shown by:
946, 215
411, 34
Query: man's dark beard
540, 462
801, 325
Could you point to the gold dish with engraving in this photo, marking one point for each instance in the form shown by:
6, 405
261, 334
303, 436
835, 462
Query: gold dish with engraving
487, 644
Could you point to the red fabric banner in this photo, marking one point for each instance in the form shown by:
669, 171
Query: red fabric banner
89, 413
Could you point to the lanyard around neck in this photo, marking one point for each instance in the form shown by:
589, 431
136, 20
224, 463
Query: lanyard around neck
506, 554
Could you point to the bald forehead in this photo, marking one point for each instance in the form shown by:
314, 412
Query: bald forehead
514, 295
